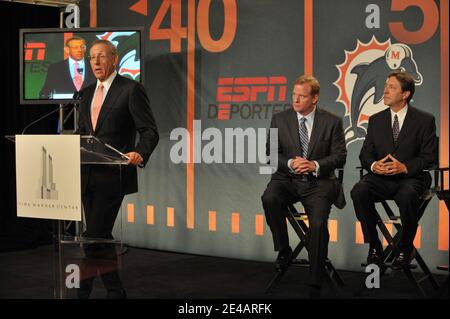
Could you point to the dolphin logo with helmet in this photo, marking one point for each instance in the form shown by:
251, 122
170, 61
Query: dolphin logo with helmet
129, 64
362, 77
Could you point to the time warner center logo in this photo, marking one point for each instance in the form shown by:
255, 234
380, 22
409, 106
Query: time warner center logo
249, 97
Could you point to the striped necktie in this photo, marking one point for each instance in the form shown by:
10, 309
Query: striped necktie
304, 139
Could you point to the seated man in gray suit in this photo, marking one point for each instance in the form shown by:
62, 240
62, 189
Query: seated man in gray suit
311, 145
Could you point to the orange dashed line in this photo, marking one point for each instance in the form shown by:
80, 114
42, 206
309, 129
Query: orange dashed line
235, 223
333, 229
212, 220
259, 225
170, 217
443, 227
389, 228
417, 238
150, 215
130, 213
359, 237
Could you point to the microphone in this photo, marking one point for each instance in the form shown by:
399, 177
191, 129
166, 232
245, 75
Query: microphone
80, 70
43, 117
77, 96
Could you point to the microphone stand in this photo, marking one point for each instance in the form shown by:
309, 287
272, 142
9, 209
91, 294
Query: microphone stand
60, 108
76, 101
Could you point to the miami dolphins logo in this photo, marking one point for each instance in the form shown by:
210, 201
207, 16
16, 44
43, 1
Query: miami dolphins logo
129, 64
361, 81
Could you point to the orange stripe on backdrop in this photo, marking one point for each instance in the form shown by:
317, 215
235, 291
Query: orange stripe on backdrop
170, 217
212, 220
259, 225
235, 223
150, 215
308, 54
130, 213
333, 229
389, 228
359, 238
93, 13
190, 209
443, 161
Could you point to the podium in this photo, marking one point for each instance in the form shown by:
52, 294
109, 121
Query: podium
53, 163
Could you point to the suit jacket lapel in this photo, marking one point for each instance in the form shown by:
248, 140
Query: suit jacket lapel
406, 127
317, 128
87, 107
111, 97
294, 130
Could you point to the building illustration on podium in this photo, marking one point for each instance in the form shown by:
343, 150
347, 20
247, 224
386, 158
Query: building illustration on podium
48, 186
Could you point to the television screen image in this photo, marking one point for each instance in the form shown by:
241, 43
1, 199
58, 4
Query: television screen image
55, 62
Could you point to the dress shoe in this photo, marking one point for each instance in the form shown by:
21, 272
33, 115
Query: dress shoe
283, 259
403, 260
374, 256
315, 291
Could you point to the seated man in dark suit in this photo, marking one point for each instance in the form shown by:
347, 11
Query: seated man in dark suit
70, 75
400, 143
311, 145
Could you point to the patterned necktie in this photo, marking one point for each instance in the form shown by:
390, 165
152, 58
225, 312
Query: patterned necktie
395, 128
98, 100
78, 78
304, 139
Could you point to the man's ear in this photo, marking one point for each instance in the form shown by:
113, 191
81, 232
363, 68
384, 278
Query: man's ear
66, 50
315, 99
405, 95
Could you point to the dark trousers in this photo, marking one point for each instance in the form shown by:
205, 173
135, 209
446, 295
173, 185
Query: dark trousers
316, 197
100, 209
404, 191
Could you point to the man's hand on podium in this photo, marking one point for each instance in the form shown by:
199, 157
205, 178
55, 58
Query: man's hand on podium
134, 158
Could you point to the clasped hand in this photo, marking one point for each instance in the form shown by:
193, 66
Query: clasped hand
389, 165
301, 165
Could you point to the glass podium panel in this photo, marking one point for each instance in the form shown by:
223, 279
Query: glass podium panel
79, 260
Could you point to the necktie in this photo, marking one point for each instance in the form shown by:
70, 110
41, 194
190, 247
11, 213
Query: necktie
304, 139
78, 78
98, 100
395, 128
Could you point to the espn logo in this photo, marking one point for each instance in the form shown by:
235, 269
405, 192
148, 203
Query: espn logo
231, 91
38, 48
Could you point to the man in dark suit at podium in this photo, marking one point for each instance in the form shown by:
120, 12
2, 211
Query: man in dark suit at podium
400, 143
311, 145
70, 75
113, 109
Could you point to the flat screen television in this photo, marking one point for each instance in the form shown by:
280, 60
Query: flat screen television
52, 68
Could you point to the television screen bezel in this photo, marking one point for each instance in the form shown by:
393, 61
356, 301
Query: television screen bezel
23, 32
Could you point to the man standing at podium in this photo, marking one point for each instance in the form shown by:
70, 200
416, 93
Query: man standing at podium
113, 109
